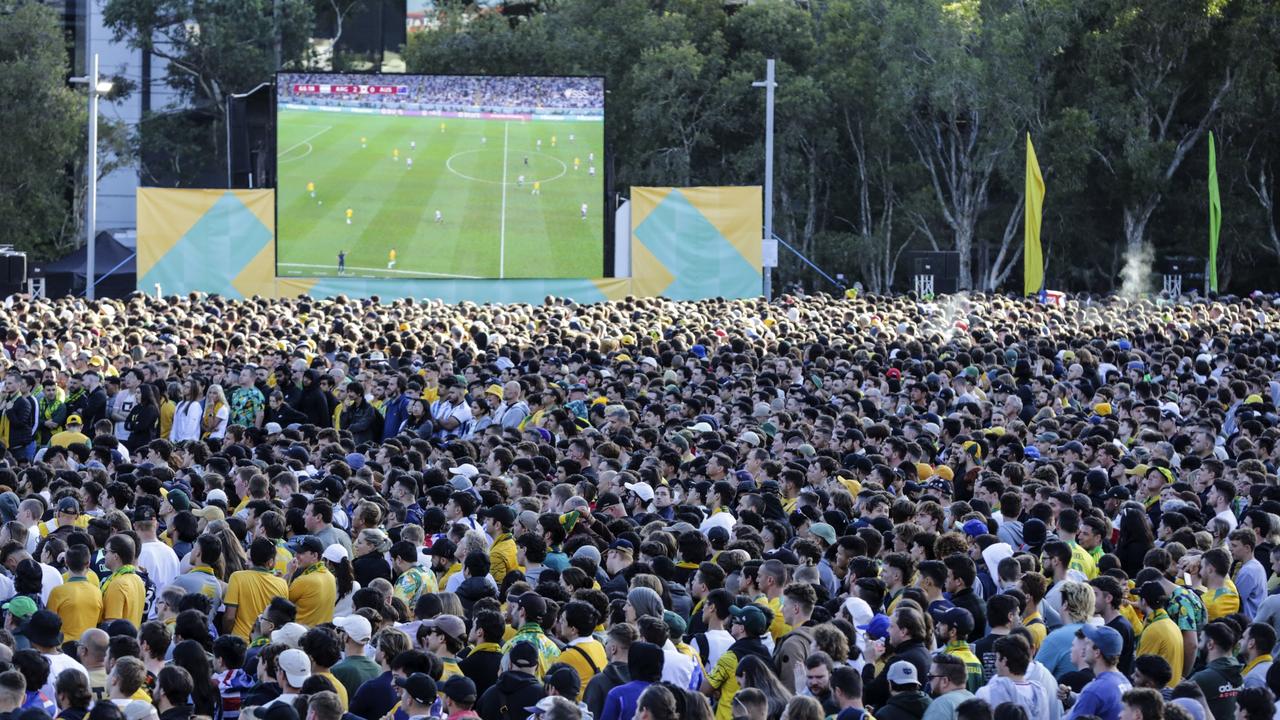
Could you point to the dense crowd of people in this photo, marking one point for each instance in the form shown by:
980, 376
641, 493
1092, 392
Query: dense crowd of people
452, 92
965, 508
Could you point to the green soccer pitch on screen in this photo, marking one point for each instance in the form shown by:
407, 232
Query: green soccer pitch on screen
439, 176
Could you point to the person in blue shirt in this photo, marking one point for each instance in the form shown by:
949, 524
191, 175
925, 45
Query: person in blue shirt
645, 661
1077, 608
1102, 696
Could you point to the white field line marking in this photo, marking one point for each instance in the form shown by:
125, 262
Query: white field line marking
304, 141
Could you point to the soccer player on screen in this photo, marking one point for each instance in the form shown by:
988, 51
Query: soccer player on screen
537, 188
553, 141
439, 217
395, 154
413, 144
584, 211
408, 163
520, 181
591, 157
350, 213
576, 163
570, 137
364, 143
526, 161
342, 261
591, 171
539, 143
441, 127
311, 188
391, 259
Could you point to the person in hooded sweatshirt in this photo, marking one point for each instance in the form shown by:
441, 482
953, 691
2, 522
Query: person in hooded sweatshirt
906, 700
618, 647
1013, 656
1221, 678
516, 689
646, 661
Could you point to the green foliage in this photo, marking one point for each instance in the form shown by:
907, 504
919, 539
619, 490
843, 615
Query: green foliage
44, 122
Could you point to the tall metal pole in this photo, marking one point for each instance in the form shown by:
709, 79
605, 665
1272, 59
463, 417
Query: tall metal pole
91, 208
768, 86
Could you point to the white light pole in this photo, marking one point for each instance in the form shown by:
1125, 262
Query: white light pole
768, 84
97, 87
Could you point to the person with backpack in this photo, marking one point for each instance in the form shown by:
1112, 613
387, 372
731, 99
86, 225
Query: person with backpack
798, 600
712, 643
516, 689
582, 652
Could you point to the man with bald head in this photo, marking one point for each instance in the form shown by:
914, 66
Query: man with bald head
513, 409
93, 656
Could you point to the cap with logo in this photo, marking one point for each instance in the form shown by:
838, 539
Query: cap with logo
903, 673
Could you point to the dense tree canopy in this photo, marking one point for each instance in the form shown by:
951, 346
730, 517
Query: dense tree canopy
900, 122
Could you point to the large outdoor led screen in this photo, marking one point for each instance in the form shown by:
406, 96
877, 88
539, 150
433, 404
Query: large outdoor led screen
439, 176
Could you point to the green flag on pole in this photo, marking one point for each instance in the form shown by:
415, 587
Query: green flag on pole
1215, 216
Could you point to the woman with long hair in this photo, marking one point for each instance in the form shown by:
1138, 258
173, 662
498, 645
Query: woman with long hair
370, 561
418, 419
339, 563
755, 673
190, 656
234, 558
213, 422
656, 703
1135, 540
186, 416
143, 422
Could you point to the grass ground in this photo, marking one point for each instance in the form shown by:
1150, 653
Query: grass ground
493, 226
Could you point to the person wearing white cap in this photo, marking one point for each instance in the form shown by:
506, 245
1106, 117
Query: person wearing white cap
293, 667
355, 668
339, 563
641, 497
289, 634
906, 700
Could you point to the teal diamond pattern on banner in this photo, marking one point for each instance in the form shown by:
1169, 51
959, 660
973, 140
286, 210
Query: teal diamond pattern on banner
703, 263
213, 252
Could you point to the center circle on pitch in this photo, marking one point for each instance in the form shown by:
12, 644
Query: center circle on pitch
485, 165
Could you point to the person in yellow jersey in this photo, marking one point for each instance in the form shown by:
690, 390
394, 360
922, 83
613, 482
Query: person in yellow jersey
721, 682
124, 595
391, 259
576, 163
537, 188
1220, 596
67, 515
441, 127
342, 262
498, 521
772, 578
312, 587
395, 154
77, 601
72, 435
1161, 635
249, 592
364, 142
311, 189
446, 636
553, 141
323, 646
582, 652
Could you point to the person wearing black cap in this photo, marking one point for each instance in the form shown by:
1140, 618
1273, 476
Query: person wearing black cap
312, 588
459, 697
527, 612
417, 694
517, 688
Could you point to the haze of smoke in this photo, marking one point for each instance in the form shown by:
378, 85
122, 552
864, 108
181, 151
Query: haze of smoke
1135, 278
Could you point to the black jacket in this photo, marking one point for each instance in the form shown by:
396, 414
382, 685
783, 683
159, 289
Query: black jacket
285, 416
969, 600
143, 425
510, 695
92, 407
473, 589
876, 691
368, 568
22, 421
362, 421
613, 675
313, 403
904, 706
482, 668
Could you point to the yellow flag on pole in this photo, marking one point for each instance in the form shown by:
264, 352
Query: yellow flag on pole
1032, 257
